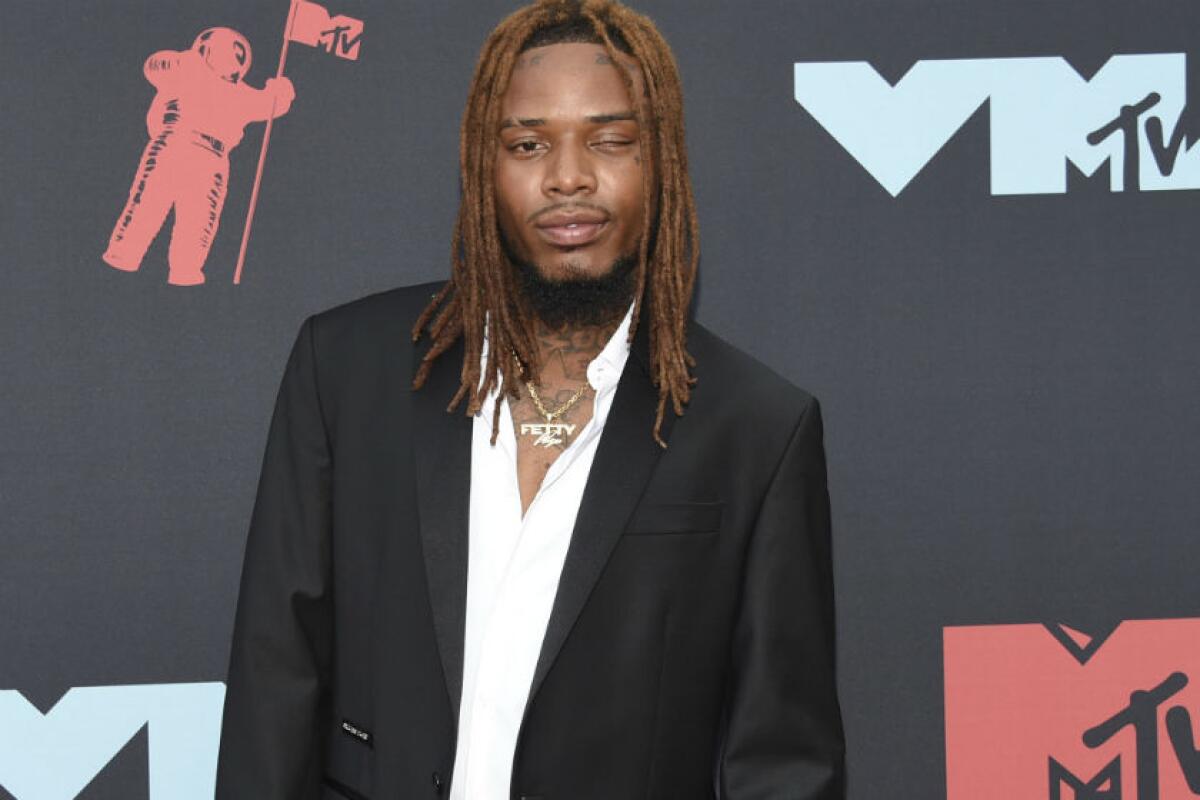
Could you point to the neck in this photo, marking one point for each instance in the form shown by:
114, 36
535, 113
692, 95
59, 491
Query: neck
564, 351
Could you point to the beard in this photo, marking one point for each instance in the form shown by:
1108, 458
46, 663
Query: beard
577, 302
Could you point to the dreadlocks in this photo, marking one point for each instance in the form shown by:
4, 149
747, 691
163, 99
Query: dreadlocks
482, 277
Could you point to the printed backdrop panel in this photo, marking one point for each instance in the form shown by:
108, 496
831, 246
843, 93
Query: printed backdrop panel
968, 228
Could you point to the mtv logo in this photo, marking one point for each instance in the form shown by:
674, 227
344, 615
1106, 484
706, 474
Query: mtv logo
1106, 785
1043, 114
313, 25
54, 756
343, 37
1049, 712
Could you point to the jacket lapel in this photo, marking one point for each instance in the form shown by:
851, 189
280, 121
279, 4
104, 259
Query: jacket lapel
625, 458
442, 445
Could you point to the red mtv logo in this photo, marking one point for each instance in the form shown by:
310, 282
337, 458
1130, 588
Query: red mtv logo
1046, 712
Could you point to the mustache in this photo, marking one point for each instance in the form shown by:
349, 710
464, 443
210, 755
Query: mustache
568, 206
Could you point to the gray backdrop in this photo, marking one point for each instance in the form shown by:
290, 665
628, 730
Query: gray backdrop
1009, 381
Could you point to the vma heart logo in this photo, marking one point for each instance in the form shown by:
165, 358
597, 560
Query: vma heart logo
1057, 712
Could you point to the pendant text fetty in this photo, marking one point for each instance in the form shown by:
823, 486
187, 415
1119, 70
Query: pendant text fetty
549, 434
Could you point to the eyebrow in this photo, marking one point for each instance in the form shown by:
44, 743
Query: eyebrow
596, 119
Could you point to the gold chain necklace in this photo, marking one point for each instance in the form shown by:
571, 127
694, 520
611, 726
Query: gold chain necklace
549, 433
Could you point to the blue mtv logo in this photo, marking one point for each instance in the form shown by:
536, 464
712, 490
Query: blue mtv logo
54, 756
1043, 115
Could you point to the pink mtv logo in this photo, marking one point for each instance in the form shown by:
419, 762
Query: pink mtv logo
1047, 712
312, 25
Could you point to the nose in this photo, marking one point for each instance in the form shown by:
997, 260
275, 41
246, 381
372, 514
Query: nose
569, 170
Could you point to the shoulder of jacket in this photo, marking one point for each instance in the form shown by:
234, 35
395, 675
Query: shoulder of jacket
363, 335
399, 305
356, 343
731, 375
375, 320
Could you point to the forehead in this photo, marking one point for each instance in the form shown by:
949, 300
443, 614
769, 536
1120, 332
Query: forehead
567, 80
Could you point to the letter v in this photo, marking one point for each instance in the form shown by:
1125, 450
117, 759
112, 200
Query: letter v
893, 131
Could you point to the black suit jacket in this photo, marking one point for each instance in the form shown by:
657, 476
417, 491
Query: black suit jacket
690, 650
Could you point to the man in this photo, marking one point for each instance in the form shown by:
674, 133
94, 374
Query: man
563, 593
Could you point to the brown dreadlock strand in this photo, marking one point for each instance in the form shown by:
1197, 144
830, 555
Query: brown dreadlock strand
481, 280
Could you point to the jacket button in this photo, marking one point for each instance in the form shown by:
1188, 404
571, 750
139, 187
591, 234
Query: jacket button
437, 782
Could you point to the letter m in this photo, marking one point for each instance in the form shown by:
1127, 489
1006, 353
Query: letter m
1105, 786
54, 756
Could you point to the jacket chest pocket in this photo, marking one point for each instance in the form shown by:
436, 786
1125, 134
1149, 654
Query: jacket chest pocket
652, 519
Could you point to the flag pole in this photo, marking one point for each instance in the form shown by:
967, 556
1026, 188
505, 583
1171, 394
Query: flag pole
262, 153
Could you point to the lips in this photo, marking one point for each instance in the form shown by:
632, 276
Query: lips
572, 229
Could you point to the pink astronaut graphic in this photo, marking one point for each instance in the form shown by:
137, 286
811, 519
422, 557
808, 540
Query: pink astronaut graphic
198, 116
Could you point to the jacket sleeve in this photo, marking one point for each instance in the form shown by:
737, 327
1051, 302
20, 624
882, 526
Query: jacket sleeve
276, 692
783, 737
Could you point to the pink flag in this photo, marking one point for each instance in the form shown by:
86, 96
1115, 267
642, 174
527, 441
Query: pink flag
312, 25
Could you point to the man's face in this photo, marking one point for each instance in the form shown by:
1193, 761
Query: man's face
568, 164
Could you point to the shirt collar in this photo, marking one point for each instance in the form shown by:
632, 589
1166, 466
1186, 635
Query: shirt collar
605, 368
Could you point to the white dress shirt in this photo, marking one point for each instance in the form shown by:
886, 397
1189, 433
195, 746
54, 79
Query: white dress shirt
513, 570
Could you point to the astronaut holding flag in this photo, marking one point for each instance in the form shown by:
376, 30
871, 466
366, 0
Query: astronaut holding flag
197, 117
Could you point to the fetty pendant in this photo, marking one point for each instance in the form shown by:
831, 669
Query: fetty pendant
549, 434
